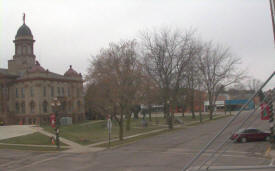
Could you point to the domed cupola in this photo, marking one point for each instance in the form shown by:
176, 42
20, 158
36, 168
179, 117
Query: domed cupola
24, 32
71, 73
24, 57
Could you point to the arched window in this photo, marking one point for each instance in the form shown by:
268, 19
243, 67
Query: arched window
29, 50
45, 106
79, 106
64, 106
23, 108
24, 50
69, 106
19, 50
17, 107
32, 106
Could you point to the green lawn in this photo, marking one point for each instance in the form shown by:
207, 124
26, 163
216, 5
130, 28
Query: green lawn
91, 132
34, 139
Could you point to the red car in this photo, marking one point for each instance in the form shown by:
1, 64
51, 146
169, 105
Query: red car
250, 134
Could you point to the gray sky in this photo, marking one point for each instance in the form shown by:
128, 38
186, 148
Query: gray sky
70, 31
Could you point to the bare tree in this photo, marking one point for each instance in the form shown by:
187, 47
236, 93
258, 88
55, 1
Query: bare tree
115, 76
166, 54
254, 84
218, 69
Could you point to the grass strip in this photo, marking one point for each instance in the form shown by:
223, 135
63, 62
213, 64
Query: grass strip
33, 139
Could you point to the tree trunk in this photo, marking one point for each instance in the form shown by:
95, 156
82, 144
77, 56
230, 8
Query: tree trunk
121, 127
171, 120
183, 109
211, 111
128, 123
136, 115
150, 112
192, 104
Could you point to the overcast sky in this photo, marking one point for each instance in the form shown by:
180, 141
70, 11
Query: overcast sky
68, 32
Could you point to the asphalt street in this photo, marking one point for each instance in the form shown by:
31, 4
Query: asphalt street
169, 151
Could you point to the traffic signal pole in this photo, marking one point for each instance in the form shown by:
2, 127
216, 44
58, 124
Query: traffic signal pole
271, 116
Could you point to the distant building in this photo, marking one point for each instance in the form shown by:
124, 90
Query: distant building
27, 89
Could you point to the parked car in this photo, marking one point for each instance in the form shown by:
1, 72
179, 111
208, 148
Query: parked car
2, 123
250, 134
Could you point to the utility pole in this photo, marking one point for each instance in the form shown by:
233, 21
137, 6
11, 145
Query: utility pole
272, 11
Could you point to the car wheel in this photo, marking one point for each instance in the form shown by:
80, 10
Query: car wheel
243, 140
267, 138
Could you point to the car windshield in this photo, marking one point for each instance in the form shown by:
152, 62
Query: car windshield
240, 130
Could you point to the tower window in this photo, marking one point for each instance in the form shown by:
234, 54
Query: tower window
24, 50
45, 91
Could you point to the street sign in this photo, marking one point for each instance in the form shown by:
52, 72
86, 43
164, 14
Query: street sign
264, 111
53, 120
109, 126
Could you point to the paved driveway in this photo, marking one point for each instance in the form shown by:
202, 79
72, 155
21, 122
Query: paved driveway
15, 130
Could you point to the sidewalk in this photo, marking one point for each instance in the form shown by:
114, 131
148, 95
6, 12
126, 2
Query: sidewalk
74, 147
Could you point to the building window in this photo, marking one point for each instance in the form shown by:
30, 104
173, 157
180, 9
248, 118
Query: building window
19, 50
69, 106
31, 91
52, 91
77, 92
23, 92
58, 91
29, 50
16, 92
45, 91
69, 92
17, 107
62, 91
32, 106
64, 105
45, 106
79, 106
23, 108
24, 50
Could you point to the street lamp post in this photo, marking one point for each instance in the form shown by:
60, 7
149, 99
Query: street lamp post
55, 104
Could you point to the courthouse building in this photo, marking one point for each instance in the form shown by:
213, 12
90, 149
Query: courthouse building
28, 89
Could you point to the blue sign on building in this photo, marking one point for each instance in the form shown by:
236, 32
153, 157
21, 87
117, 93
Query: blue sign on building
237, 104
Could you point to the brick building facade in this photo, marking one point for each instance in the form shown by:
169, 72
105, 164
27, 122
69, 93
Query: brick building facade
27, 89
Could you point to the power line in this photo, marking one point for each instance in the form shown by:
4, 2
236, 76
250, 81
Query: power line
227, 125
236, 138
222, 144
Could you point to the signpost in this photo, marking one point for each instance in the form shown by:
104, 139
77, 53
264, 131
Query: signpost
109, 126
